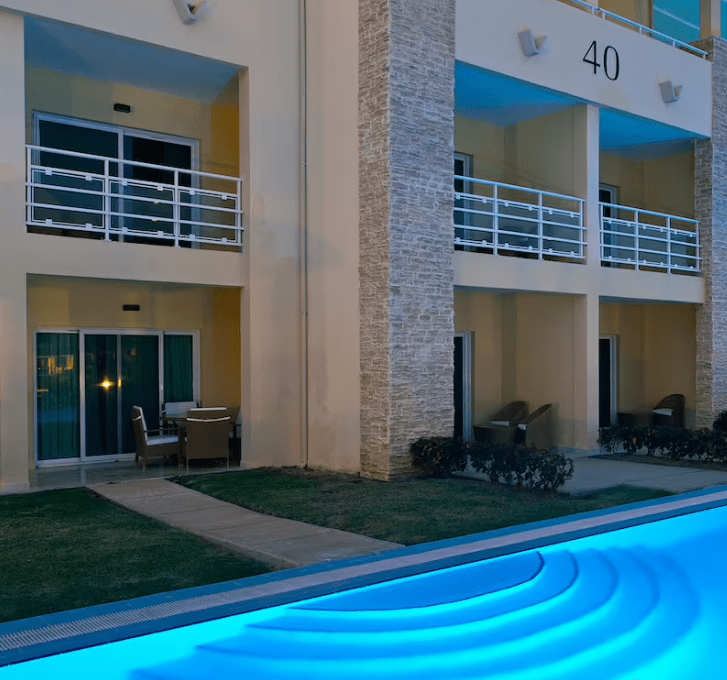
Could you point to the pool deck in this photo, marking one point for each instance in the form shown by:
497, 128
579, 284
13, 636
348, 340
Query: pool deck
66, 631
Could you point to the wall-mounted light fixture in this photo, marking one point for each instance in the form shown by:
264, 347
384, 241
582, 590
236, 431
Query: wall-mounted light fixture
189, 12
530, 44
670, 92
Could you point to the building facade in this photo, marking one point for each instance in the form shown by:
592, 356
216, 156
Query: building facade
363, 221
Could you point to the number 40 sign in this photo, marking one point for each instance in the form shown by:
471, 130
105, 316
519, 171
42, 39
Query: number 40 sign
610, 60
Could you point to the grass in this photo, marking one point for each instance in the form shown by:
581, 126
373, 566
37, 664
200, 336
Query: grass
66, 549
408, 512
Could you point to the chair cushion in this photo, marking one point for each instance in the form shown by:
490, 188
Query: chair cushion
162, 439
664, 411
522, 426
207, 420
499, 422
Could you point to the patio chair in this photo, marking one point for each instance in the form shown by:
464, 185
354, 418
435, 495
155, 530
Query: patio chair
501, 425
206, 438
208, 413
155, 446
537, 429
669, 412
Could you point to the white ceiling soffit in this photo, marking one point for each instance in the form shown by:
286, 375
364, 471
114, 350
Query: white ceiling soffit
61, 47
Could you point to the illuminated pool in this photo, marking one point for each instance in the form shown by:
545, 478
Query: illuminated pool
643, 602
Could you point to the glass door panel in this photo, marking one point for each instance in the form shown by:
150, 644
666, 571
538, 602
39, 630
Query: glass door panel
74, 188
101, 408
57, 396
139, 383
154, 202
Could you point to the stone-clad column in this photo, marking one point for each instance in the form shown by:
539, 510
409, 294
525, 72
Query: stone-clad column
710, 198
406, 232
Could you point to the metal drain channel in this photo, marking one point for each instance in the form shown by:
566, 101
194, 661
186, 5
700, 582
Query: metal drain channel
95, 624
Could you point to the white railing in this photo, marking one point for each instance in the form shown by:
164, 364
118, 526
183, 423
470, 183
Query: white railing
650, 240
496, 217
644, 30
131, 201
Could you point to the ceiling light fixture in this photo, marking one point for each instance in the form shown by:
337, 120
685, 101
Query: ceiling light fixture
670, 92
530, 44
190, 12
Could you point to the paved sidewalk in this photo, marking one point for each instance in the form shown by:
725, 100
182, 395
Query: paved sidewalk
281, 543
591, 474
594, 474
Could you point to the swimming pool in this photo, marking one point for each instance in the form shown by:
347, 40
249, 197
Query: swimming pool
643, 602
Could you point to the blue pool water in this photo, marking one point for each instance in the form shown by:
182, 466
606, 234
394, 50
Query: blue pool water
640, 603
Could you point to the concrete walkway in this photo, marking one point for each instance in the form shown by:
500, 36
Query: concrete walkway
281, 543
592, 474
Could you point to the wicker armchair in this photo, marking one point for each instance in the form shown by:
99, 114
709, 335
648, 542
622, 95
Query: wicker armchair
669, 412
537, 429
206, 438
501, 425
155, 446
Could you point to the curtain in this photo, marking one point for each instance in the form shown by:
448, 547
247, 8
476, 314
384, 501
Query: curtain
178, 380
57, 396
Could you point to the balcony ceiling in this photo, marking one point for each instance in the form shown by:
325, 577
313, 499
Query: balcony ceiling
61, 47
502, 101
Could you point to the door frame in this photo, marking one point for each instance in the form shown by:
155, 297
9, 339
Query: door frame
81, 332
467, 431
613, 374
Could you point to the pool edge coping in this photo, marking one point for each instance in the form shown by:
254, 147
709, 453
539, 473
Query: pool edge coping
61, 632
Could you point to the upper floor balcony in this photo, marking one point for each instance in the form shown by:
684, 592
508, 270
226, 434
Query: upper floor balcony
497, 218
103, 197
130, 142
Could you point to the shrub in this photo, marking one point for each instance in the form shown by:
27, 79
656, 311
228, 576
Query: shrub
438, 456
526, 467
721, 422
674, 443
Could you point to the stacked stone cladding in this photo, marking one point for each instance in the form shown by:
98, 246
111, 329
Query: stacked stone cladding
406, 147
710, 198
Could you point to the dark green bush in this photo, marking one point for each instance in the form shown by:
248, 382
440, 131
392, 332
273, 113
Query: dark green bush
720, 422
674, 443
438, 456
525, 467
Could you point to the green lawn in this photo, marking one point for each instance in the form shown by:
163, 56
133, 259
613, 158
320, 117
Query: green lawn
67, 549
408, 512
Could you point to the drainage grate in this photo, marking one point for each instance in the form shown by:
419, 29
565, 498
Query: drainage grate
95, 624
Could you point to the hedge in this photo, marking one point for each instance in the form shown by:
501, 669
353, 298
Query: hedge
526, 467
675, 443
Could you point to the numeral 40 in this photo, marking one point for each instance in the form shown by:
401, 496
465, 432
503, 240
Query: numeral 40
611, 64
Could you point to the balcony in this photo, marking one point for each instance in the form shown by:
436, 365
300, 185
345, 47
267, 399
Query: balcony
80, 194
649, 240
635, 26
493, 217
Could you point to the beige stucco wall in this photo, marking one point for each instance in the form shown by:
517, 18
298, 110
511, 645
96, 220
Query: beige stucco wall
656, 347
333, 395
662, 185
481, 314
485, 143
636, 10
523, 348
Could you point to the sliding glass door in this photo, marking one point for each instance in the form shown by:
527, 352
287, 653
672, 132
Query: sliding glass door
83, 407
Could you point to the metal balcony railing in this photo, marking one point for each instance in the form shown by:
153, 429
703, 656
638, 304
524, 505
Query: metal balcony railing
124, 200
496, 217
649, 240
644, 30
